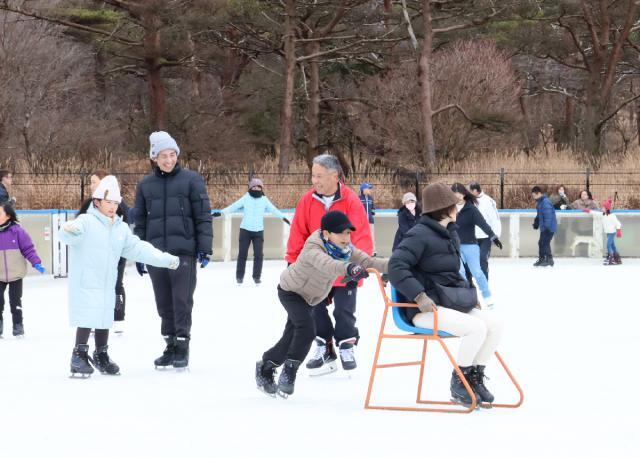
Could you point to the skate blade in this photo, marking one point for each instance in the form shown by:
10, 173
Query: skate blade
262, 390
326, 368
282, 394
76, 375
106, 373
20, 337
463, 403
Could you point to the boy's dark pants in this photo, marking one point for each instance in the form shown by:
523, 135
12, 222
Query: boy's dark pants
344, 310
299, 331
173, 290
15, 300
544, 243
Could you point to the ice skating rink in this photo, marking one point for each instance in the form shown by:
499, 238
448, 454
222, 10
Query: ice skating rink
573, 341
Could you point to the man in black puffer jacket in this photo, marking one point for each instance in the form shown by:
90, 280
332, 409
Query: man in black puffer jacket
173, 213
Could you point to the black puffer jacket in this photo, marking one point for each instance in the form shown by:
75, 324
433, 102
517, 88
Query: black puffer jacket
406, 220
173, 213
428, 254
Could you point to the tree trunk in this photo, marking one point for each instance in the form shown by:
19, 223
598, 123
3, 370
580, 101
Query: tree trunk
286, 115
424, 75
638, 120
567, 132
594, 112
152, 55
313, 109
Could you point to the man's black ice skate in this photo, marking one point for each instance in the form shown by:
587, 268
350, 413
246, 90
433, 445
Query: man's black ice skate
459, 393
347, 356
550, 261
538, 262
265, 377
103, 363
181, 357
476, 380
257, 281
239, 280
80, 365
547, 261
287, 379
324, 359
168, 355
18, 330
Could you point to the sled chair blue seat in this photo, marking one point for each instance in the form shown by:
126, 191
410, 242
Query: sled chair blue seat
425, 335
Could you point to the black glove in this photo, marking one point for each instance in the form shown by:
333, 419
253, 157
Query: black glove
385, 279
356, 272
203, 259
216, 214
535, 226
496, 241
141, 268
286, 221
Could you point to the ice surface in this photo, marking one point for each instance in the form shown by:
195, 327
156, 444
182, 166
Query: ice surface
573, 340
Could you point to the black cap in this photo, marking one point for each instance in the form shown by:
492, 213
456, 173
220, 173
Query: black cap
335, 222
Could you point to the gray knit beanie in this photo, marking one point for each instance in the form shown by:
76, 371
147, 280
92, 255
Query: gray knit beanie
255, 182
161, 141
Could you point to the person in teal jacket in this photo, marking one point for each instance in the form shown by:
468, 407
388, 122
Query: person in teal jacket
255, 204
97, 241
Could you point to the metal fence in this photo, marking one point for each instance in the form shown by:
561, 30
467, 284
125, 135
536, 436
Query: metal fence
509, 189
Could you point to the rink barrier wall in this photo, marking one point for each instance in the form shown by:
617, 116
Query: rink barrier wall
579, 235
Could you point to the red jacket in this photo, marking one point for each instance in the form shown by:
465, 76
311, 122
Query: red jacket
309, 212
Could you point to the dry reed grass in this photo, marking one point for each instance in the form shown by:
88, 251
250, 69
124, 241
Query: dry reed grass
617, 174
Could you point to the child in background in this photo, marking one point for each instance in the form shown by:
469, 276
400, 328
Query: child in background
16, 248
98, 239
326, 255
613, 228
366, 197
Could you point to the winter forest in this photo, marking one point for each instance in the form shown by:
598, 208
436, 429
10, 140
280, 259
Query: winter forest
387, 85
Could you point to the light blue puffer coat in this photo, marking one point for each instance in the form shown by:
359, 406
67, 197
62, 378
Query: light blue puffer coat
93, 265
254, 210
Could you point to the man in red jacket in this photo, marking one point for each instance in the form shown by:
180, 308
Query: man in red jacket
329, 193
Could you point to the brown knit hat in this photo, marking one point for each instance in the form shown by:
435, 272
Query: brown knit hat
437, 196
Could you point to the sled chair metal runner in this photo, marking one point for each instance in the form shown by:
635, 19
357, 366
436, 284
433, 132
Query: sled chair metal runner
425, 335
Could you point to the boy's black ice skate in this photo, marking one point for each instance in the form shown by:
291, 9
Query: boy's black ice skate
547, 261
324, 359
181, 357
103, 363
459, 393
168, 355
80, 365
347, 356
287, 379
538, 262
265, 377
18, 330
476, 380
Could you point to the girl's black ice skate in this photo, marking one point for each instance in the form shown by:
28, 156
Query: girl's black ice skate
287, 379
103, 363
80, 365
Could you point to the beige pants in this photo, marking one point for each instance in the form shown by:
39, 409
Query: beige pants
480, 332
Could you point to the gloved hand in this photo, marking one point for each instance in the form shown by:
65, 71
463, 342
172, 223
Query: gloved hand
385, 279
536, 226
356, 272
203, 259
286, 221
71, 227
39, 268
141, 268
619, 233
425, 303
586, 210
216, 214
563, 207
175, 263
496, 241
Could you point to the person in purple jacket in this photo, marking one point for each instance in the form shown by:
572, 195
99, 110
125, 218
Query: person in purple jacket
16, 248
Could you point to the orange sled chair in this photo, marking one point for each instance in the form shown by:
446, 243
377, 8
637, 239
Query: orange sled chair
424, 335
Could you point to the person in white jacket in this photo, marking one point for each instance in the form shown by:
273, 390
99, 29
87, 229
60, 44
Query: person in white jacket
489, 211
612, 228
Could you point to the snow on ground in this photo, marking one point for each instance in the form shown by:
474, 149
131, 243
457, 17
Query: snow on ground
573, 334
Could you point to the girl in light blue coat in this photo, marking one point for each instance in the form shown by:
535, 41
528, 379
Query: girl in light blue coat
98, 239
255, 204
